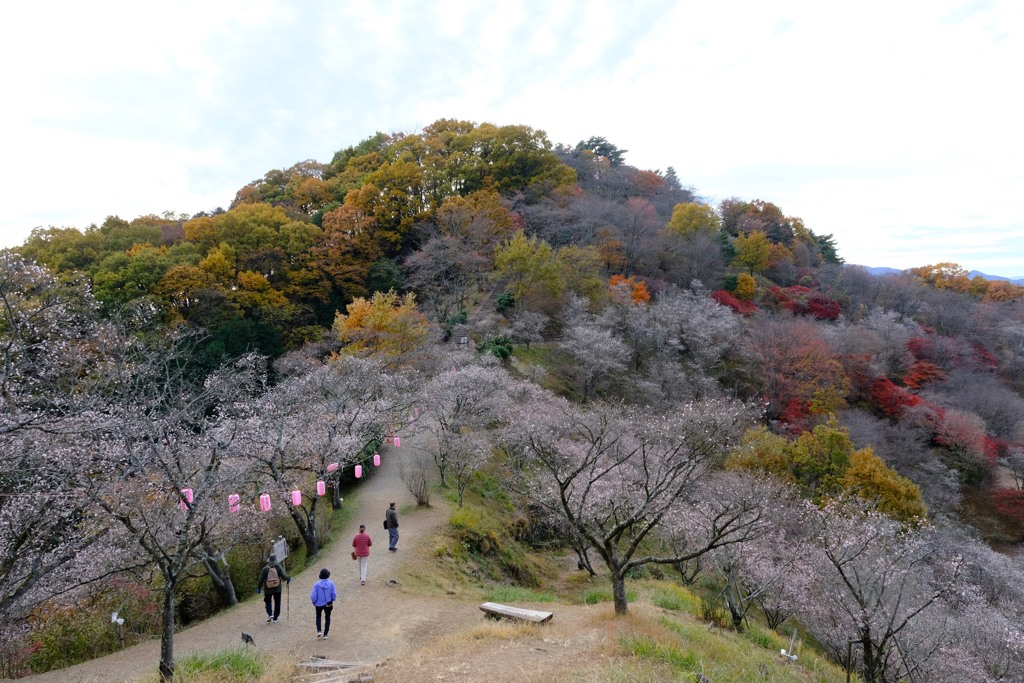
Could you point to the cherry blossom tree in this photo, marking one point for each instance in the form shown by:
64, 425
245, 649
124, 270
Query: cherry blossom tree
753, 570
984, 616
599, 357
528, 327
620, 478
328, 414
168, 481
928, 604
879, 585
458, 402
684, 327
57, 379
467, 452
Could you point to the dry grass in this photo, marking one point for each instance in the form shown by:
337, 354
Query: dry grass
584, 644
499, 652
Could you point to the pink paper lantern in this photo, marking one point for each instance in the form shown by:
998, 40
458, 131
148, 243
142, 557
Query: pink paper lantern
296, 498
186, 494
234, 502
398, 441
359, 471
333, 466
321, 488
376, 459
265, 502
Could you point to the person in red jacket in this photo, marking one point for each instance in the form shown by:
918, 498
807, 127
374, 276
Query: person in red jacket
362, 544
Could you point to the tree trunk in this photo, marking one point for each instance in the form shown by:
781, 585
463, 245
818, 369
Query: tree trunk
619, 592
221, 578
307, 531
688, 571
735, 611
336, 495
734, 599
442, 468
167, 635
583, 562
871, 670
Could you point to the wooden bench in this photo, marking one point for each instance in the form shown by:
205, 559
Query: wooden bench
496, 611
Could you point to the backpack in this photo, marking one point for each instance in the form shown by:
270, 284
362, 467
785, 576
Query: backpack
273, 580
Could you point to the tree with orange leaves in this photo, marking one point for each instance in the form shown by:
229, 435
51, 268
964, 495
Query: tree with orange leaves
628, 289
944, 275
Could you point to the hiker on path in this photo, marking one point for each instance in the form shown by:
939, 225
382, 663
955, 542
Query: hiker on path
391, 524
362, 544
272, 578
323, 596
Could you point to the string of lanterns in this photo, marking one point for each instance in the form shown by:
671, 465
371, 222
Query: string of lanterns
235, 500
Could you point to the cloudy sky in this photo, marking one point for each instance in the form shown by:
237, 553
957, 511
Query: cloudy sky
894, 126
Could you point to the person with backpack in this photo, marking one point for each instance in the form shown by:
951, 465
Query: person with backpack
323, 596
271, 579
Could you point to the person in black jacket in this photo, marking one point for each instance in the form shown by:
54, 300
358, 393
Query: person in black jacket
391, 524
270, 585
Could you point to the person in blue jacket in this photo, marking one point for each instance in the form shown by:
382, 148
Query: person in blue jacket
323, 596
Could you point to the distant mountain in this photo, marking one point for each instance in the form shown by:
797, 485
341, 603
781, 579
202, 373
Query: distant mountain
1014, 280
883, 270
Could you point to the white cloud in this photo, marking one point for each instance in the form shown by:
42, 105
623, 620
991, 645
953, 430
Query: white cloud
867, 120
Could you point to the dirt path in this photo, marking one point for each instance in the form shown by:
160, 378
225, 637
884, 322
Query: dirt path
370, 623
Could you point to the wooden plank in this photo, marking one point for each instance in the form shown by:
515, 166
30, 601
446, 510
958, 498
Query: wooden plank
317, 663
496, 610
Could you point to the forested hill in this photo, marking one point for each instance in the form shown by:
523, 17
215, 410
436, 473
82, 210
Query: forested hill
619, 304
497, 221
511, 239
421, 212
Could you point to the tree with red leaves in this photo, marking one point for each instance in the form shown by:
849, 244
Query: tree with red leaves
922, 373
738, 306
805, 301
795, 369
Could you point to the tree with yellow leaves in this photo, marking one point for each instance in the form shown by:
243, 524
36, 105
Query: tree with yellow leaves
823, 464
531, 268
753, 251
746, 287
871, 479
690, 218
386, 324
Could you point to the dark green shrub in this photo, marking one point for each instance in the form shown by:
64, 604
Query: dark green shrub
499, 346
505, 301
